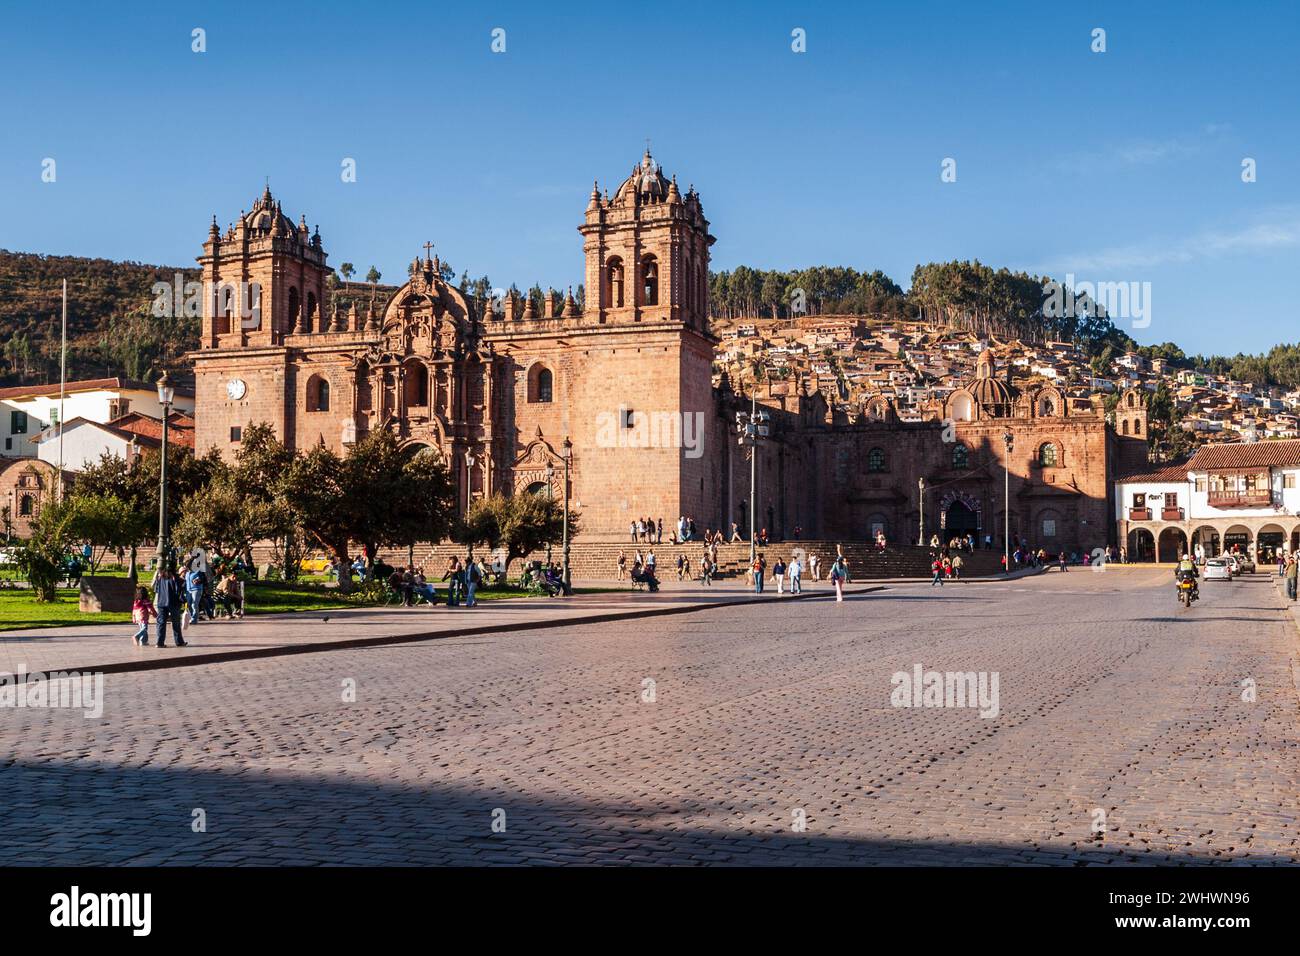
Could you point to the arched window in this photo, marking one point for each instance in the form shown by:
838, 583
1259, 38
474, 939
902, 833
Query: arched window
1132, 399
1123, 427
25, 506
876, 459
537, 488
1137, 426
650, 280
1046, 407
615, 273
294, 302
961, 408
1047, 455
318, 394
417, 385
540, 384
960, 457
311, 311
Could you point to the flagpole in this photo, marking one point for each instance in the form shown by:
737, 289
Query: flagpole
63, 374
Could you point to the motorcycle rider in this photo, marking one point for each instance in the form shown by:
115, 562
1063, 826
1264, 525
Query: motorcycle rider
1187, 569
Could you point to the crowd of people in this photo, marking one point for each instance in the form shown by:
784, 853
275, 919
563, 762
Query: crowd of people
179, 599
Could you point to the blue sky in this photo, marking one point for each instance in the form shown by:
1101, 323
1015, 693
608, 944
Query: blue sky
1116, 166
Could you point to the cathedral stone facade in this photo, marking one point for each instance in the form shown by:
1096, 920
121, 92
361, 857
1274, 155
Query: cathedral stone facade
497, 391
623, 387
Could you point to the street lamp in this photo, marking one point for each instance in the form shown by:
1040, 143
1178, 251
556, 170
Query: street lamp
166, 395
752, 427
1009, 440
568, 462
920, 484
550, 497
470, 461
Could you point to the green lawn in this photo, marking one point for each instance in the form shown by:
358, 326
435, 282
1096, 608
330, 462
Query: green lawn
18, 609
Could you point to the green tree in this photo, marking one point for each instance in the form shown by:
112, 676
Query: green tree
347, 270
41, 556
379, 495
105, 522
518, 525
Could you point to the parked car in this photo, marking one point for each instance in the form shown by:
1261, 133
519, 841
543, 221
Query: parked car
1240, 564
1218, 569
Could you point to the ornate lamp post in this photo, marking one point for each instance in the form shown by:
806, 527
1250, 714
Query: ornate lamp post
920, 485
550, 496
752, 427
166, 395
568, 463
1009, 440
470, 461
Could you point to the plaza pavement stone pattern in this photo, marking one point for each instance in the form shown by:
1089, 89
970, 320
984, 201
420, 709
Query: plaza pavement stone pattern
1111, 697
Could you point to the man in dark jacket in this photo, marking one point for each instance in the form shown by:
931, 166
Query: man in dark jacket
169, 603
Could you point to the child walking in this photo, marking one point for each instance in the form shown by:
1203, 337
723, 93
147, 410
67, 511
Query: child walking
142, 610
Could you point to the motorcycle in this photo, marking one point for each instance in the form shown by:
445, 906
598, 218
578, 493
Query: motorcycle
1187, 591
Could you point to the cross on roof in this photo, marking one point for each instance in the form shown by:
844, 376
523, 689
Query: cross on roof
427, 247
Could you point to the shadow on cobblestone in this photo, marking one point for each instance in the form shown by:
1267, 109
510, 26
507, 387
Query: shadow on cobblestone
133, 816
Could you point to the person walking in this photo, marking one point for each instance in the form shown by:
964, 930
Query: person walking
622, 564
169, 604
1060, 560
454, 578
796, 575
813, 567
778, 575
659, 532
1292, 567
936, 566
473, 578
957, 562
838, 574
142, 611
757, 570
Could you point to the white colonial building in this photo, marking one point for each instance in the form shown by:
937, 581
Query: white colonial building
29, 410
1230, 496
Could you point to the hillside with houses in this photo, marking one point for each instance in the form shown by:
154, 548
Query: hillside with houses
851, 357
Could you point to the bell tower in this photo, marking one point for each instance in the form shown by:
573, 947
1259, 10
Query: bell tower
264, 278
647, 252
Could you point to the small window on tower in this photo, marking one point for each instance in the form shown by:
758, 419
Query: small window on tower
236, 433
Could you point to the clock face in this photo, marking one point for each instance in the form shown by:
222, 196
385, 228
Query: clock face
235, 389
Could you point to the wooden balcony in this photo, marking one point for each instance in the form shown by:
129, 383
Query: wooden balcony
1239, 499
1139, 514
1171, 514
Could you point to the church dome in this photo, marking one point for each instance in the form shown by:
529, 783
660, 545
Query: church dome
266, 216
647, 183
991, 391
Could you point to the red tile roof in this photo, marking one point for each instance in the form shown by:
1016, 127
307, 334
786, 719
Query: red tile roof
85, 385
1263, 454
1172, 472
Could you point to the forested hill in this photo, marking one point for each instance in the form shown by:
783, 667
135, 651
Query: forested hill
110, 328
